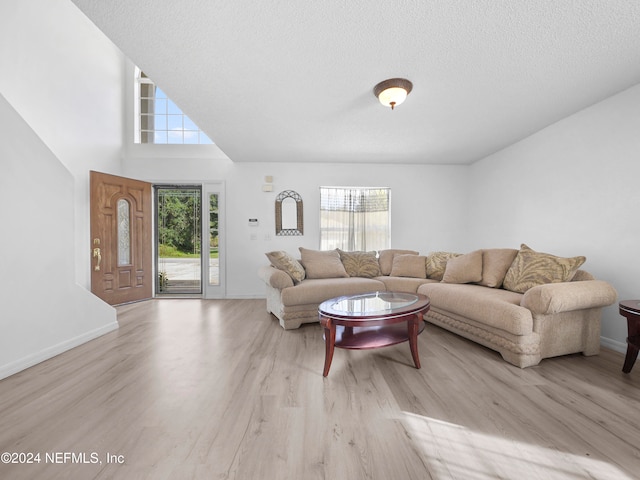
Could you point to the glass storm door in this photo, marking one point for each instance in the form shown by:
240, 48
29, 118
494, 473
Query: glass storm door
178, 239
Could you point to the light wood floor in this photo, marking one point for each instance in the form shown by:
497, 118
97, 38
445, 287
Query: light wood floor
216, 389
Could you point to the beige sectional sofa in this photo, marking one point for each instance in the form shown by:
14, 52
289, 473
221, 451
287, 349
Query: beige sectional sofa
526, 305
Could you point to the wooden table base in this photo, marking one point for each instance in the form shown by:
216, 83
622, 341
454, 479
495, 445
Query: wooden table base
630, 309
360, 338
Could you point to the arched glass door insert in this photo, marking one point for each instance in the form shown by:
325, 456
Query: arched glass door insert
124, 232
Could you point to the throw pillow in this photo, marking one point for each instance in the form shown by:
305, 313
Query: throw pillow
360, 264
386, 258
437, 263
531, 268
464, 269
285, 262
495, 263
409, 266
322, 263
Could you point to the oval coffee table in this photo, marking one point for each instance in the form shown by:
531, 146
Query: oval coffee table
372, 320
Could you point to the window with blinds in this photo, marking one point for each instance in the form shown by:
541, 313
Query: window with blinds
355, 218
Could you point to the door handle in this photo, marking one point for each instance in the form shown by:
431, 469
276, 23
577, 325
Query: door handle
96, 254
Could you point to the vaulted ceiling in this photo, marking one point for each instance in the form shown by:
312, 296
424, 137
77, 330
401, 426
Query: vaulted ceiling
292, 80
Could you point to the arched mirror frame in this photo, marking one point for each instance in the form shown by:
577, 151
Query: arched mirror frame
298, 199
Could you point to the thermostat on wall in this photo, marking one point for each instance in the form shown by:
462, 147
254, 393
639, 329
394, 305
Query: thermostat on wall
253, 222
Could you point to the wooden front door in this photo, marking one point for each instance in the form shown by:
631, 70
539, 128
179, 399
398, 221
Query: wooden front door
121, 260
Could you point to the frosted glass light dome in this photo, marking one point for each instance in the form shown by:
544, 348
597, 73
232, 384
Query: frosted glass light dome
393, 92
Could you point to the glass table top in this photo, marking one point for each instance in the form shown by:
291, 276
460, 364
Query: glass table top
378, 303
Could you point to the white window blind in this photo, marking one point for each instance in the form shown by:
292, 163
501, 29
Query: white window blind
355, 218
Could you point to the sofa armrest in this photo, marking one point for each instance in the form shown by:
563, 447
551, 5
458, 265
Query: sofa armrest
275, 278
567, 296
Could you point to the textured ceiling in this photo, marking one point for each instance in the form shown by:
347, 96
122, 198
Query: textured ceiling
292, 80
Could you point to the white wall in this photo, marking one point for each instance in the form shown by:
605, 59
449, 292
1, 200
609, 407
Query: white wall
569, 190
65, 79
60, 115
44, 311
428, 204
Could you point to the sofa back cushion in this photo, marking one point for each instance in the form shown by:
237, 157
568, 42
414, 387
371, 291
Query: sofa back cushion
360, 264
582, 276
531, 268
322, 263
495, 263
437, 263
385, 258
409, 265
285, 262
465, 268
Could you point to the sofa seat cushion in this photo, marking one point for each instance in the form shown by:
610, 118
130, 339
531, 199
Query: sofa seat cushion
494, 307
404, 284
317, 290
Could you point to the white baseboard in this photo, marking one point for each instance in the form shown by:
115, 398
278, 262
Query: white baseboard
245, 297
49, 352
613, 345
239, 296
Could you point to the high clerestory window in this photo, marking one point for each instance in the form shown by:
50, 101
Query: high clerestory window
355, 218
159, 120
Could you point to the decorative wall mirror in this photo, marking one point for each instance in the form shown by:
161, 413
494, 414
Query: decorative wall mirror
289, 213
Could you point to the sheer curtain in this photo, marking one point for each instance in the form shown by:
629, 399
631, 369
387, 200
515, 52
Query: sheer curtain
354, 218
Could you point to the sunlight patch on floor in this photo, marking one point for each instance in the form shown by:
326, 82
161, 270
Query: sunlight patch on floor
453, 451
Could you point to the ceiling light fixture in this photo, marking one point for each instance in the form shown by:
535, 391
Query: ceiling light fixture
392, 92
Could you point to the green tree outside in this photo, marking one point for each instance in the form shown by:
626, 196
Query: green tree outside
179, 220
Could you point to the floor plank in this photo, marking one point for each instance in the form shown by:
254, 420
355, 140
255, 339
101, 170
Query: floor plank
215, 389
